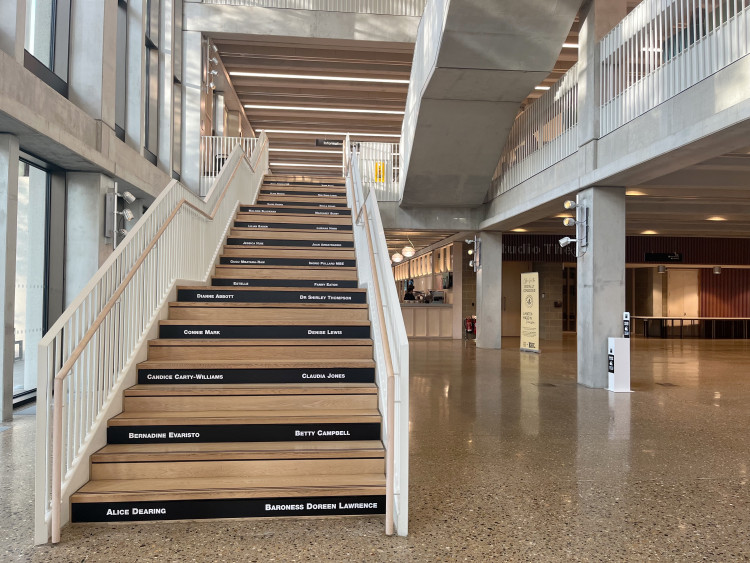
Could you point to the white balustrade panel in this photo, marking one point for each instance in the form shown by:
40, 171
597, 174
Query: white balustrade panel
386, 7
664, 47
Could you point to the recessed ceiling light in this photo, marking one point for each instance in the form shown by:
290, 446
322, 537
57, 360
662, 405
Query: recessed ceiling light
541, 87
331, 133
314, 77
634, 192
518, 230
304, 165
570, 45
716, 218
649, 233
336, 110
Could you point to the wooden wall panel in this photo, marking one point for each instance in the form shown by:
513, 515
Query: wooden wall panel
726, 294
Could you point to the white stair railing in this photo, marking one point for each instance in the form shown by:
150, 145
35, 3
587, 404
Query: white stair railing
389, 340
86, 354
215, 152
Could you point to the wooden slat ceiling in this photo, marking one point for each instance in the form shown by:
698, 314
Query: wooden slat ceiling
309, 57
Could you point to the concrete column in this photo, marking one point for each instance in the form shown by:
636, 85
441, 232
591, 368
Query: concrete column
86, 246
13, 28
457, 263
93, 58
8, 231
192, 56
489, 291
601, 282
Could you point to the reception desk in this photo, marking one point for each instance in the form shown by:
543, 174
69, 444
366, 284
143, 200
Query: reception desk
431, 320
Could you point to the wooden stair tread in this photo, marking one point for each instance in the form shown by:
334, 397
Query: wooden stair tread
113, 490
305, 289
275, 322
311, 306
259, 342
250, 415
146, 389
266, 364
239, 451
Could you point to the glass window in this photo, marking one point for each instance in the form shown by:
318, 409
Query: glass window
152, 25
121, 71
31, 275
177, 40
40, 30
152, 100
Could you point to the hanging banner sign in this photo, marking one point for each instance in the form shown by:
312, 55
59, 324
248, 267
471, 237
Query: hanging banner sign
380, 172
530, 312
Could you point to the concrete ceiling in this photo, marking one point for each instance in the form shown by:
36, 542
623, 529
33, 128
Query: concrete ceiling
492, 54
709, 199
325, 58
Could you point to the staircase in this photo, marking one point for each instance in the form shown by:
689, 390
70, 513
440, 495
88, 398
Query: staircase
258, 398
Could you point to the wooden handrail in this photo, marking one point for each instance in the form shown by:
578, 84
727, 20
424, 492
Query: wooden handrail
73, 358
391, 379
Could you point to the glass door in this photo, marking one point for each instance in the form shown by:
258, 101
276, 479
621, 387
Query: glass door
31, 275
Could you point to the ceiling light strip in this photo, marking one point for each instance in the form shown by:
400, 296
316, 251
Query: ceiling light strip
336, 110
314, 77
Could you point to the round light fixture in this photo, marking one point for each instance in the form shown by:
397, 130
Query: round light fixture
717, 269
408, 251
396, 257
470, 251
661, 269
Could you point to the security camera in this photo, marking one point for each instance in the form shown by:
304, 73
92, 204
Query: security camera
565, 241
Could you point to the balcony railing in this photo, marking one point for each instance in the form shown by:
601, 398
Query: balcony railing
380, 169
662, 48
214, 153
543, 134
385, 7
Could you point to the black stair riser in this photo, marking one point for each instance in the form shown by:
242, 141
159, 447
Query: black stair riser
310, 184
298, 211
290, 226
313, 284
286, 193
220, 332
237, 376
287, 204
309, 262
235, 241
202, 509
205, 433
250, 296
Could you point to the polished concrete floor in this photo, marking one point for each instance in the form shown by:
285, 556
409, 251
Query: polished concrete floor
511, 461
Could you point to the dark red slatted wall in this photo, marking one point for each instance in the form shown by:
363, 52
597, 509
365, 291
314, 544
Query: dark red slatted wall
726, 294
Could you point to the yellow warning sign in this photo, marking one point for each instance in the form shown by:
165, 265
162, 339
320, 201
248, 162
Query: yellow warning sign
380, 172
